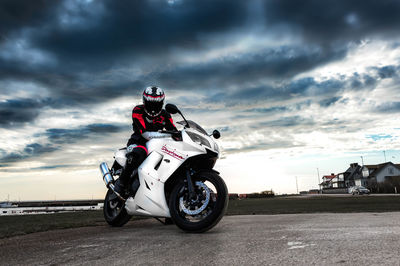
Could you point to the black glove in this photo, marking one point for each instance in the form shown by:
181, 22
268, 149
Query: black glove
177, 135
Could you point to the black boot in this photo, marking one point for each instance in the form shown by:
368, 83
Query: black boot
120, 188
124, 180
135, 183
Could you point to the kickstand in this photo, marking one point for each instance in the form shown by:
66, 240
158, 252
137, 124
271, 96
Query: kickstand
167, 221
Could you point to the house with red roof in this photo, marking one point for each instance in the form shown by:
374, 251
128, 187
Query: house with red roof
332, 181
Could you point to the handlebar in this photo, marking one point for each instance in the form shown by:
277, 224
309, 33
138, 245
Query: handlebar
176, 135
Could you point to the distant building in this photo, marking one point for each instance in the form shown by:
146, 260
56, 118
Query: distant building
378, 177
333, 181
353, 173
233, 196
381, 172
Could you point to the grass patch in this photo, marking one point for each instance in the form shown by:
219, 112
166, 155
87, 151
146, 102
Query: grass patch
25, 224
282, 205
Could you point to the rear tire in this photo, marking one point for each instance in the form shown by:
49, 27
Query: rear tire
114, 210
214, 207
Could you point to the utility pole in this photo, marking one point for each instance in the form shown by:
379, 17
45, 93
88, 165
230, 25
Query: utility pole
384, 154
362, 160
318, 180
297, 187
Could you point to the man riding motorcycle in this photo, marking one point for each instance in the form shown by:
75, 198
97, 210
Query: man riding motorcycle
148, 117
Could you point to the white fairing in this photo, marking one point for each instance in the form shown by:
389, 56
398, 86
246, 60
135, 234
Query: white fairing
165, 156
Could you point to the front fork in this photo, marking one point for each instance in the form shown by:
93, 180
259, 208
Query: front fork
189, 183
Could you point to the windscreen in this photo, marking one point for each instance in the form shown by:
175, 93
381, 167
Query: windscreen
194, 126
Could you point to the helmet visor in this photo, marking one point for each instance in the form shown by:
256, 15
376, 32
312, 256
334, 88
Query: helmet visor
153, 108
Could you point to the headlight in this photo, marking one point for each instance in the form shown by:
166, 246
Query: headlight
198, 139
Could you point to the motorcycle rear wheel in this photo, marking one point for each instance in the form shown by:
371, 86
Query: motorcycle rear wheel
206, 210
114, 210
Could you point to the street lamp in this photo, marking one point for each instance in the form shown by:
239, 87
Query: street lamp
319, 184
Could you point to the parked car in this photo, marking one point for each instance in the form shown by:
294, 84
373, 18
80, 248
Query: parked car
358, 190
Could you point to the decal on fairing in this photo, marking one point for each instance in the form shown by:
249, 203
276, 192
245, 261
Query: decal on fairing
172, 153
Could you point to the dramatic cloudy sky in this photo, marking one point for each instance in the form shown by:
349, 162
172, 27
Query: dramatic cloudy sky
292, 85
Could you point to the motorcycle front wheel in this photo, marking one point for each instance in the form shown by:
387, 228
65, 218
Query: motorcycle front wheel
114, 210
202, 211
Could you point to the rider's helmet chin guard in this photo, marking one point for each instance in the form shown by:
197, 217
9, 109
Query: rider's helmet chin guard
153, 100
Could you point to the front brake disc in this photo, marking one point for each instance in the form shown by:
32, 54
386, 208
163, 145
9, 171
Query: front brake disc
184, 205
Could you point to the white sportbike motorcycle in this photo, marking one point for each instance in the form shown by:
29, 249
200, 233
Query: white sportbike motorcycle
175, 181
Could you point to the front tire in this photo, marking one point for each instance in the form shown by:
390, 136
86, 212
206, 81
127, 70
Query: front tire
206, 210
114, 210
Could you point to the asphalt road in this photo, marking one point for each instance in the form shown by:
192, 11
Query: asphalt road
290, 239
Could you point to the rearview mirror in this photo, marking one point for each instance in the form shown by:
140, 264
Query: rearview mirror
171, 108
216, 134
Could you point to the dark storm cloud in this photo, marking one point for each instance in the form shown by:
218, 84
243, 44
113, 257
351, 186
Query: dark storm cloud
36, 149
57, 136
387, 71
63, 135
126, 27
87, 38
330, 21
67, 87
18, 14
66, 93
80, 93
267, 110
118, 34
118, 28
287, 122
95, 36
69, 90
282, 62
329, 101
18, 111
46, 167
57, 166
30, 150
389, 107
325, 92
301, 85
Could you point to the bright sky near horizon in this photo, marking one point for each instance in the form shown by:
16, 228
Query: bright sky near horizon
293, 86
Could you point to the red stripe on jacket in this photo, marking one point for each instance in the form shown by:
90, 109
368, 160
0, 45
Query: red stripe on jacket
143, 147
139, 117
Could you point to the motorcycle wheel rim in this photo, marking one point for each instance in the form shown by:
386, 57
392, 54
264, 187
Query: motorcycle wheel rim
201, 211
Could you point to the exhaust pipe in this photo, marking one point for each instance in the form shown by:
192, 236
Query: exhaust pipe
108, 179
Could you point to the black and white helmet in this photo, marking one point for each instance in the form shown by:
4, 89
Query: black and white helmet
153, 100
